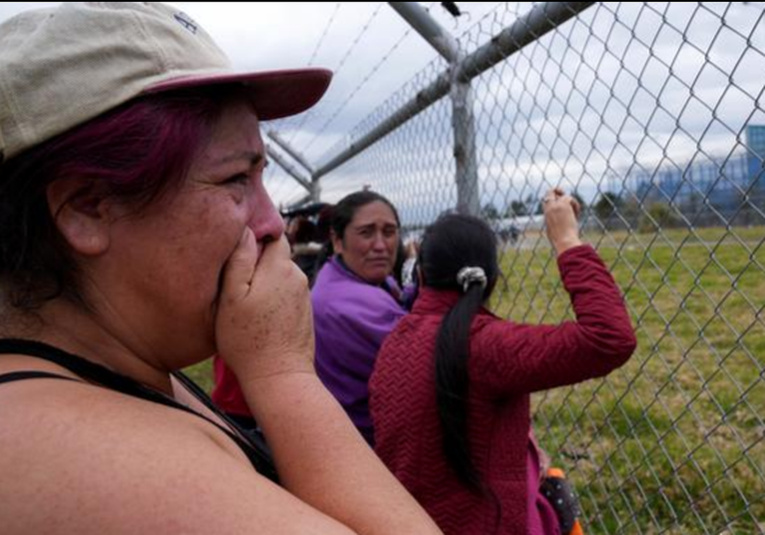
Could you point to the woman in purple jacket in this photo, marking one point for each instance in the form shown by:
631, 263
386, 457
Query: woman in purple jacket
356, 302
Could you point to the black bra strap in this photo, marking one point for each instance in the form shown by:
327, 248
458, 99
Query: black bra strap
258, 450
79, 366
31, 374
121, 383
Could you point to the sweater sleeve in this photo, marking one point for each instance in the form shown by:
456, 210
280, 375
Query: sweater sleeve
509, 358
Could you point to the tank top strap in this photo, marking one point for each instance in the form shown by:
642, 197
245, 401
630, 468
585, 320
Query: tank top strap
31, 374
257, 453
86, 369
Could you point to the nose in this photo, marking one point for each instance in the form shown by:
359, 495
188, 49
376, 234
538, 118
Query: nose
266, 222
379, 243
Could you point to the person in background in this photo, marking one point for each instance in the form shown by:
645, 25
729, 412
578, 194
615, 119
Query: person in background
303, 245
397, 271
356, 301
451, 387
324, 238
411, 249
300, 229
136, 239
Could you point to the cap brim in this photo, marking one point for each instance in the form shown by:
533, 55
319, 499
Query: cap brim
275, 94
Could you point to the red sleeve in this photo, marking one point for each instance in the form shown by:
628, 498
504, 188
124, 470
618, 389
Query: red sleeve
227, 394
508, 358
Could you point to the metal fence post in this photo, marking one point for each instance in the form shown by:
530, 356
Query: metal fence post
309, 185
314, 190
463, 125
466, 173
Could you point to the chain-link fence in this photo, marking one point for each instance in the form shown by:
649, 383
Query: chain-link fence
653, 114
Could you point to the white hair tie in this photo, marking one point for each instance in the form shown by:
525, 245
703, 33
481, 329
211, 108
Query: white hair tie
469, 275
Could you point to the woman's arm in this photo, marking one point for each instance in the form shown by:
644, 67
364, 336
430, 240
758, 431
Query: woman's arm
265, 334
513, 358
96, 461
322, 458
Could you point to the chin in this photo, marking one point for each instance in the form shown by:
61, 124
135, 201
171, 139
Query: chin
377, 278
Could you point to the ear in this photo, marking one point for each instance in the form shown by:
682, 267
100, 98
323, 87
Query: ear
78, 207
337, 243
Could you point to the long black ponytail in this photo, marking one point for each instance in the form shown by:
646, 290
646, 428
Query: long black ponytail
452, 243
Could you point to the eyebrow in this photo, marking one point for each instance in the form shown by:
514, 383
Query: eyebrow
374, 225
253, 157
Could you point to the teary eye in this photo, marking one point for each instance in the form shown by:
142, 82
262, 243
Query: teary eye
241, 178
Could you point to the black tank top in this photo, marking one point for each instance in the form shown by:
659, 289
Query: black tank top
255, 449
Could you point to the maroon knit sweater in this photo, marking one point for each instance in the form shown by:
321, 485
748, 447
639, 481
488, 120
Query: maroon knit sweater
507, 362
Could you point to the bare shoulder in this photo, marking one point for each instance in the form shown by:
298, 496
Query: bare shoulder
82, 459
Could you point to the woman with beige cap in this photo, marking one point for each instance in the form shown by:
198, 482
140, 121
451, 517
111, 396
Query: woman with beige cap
136, 238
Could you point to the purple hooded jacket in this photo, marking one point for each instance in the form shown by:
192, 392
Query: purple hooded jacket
351, 318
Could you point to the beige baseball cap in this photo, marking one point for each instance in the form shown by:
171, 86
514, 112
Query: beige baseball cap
61, 67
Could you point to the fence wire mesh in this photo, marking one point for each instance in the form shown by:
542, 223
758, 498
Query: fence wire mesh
653, 114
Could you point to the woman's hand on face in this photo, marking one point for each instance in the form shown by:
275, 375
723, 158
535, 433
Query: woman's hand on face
264, 325
561, 212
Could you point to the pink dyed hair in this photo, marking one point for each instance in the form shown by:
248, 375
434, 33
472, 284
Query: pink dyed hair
139, 151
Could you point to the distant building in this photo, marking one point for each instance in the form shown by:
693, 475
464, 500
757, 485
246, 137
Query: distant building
707, 181
755, 142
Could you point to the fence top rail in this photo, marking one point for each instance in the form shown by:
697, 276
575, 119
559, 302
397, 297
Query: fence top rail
528, 28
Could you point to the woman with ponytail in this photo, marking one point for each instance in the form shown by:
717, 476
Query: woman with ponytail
451, 386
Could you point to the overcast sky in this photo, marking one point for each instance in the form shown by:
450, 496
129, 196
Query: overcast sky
653, 80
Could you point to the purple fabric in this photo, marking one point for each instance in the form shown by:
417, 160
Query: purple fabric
351, 319
542, 517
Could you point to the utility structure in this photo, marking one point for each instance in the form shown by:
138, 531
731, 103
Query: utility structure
455, 82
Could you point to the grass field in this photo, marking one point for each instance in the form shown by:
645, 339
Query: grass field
673, 442
201, 374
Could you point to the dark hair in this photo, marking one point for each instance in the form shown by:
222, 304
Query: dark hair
399, 264
323, 221
305, 231
343, 212
139, 150
453, 242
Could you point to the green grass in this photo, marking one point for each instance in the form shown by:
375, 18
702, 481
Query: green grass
201, 374
675, 439
673, 442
